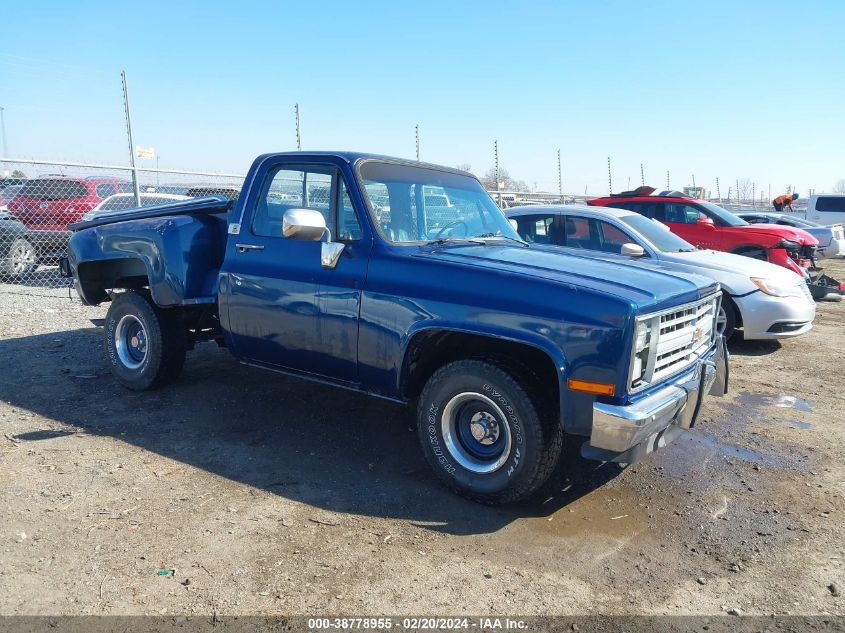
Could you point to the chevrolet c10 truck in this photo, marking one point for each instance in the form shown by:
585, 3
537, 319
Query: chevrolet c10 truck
405, 281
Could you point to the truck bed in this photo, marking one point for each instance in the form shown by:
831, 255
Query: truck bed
174, 249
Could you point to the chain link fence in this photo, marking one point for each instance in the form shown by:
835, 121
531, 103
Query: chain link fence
38, 200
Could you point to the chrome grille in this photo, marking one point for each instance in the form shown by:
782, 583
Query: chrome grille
677, 338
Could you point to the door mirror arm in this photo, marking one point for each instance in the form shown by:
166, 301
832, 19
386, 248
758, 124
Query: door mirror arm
308, 224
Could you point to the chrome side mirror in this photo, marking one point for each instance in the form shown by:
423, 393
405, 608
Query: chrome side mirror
632, 250
307, 224
304, 224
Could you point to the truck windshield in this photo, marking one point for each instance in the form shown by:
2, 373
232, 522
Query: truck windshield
660, 236
412, 205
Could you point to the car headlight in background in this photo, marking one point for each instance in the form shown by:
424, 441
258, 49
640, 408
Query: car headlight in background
789, 245
776, 288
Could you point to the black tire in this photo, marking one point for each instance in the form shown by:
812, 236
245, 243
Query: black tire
728, 309
455, 400
144, 344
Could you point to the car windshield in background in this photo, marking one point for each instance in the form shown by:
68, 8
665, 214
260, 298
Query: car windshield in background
660, 236
412, 204
53, 189
726, 217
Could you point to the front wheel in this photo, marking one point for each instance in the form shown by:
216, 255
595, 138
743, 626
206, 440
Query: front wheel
144, 344
22, 259
483, 435
726, 319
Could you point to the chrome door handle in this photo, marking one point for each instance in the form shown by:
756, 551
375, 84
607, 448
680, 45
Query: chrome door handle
243, 248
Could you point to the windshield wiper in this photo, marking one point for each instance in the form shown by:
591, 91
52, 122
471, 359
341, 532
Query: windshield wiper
504, 237
456, 240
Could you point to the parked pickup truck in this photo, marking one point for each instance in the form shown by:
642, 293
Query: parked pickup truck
404, 281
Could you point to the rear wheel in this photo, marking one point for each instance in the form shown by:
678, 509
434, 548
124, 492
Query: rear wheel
144, 344
484, 435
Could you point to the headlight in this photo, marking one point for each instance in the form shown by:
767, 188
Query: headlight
642, 342
788, 245
775, 288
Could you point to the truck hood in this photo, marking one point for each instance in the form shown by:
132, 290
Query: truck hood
646, 287
771, 234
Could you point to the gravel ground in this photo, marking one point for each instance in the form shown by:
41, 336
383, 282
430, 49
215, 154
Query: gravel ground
236, 491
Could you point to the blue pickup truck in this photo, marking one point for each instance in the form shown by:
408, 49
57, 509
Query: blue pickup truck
405, 281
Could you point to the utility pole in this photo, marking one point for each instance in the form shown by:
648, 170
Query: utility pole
738, 200
158, 175
668, 188
693, 184
609, 177
135, 188
642, 175
496, 162
3, 131
754, 194
417, 134
298, 137
559, 177
718, 191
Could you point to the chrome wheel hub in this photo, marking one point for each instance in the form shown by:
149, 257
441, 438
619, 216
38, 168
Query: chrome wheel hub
476, 432
484, 428
130, 341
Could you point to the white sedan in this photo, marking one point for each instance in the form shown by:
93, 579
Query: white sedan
764, 300
121, 202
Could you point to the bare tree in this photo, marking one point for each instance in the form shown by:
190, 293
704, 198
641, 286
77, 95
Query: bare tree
744, 190
489, 180
839, 187
464, 167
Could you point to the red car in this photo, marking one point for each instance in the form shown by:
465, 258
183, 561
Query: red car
707, 225
46, 205
51, 203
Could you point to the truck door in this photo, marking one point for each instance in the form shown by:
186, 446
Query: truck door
283, 308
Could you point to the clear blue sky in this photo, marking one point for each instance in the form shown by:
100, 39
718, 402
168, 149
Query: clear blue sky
716, 89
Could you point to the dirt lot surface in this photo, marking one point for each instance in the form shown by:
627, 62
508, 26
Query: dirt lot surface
236, 491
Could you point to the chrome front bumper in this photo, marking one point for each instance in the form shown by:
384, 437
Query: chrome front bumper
627, 433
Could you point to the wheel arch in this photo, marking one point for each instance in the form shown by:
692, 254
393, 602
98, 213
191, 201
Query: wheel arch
432, 347
95, 278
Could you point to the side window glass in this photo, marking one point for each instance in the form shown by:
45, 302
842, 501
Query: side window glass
682, 214
834, 204
577, 232
291, 188
348, 226
105, 190
659, 212
612, 238
538, 229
